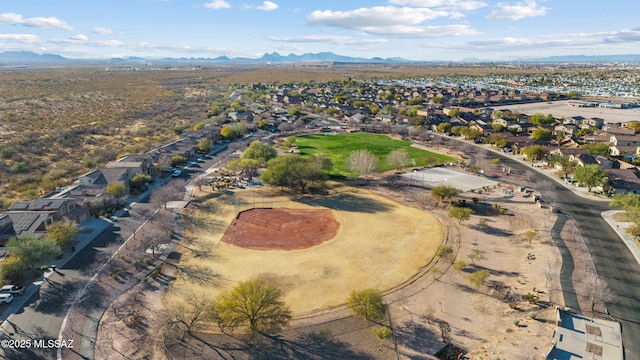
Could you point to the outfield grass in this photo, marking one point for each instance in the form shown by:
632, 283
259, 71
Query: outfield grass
338, 147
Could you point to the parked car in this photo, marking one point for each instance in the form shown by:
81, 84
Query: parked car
176, 173
12, 289
6, 298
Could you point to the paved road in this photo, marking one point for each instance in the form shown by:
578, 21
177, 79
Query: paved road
613, 260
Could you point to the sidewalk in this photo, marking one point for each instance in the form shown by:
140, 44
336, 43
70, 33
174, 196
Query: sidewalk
621, 229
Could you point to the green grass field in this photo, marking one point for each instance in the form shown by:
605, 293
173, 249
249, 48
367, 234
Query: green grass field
338, 147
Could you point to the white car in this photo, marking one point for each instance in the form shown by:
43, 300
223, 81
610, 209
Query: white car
176, 173
6, 298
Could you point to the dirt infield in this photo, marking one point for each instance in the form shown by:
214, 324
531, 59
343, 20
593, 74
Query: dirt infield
281, 229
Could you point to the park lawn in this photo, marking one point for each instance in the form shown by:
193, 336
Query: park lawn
338, 147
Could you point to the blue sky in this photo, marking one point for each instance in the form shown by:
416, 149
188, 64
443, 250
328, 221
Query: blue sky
412, 29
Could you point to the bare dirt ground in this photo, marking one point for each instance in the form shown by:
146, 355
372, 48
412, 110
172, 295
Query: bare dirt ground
281, 229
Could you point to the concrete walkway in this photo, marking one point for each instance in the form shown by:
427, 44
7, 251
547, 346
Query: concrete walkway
621, 229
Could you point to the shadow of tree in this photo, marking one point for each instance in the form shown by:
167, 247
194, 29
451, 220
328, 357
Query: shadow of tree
346, 202
419, 339
200, 274
54, 297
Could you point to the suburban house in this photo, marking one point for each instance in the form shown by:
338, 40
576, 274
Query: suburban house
624, 140
18, 223
623, 150
565, 129
623, 181
144, 166
99, 178
583, 159
565, 151
59, 208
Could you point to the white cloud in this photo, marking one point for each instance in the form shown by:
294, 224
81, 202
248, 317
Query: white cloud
22, 38
629, 35
217, 4
332, 39
394, 21
79, 37
464, 5
38, 22
517, 11
267, 6
378, 16
424, 31
102, 30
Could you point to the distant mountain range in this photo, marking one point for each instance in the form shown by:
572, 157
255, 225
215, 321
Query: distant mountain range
19, 58
27, 57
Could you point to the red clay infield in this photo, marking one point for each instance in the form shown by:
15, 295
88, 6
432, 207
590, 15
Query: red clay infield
281, 229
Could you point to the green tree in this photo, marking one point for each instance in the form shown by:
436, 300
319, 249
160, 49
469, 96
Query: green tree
598, 148
116, 189
630, 203
178, 161
459, 265
460, 213
478, 278
33, 251
259, 151
443, 127
445, 192
294, 111
475, 255
398, 158
534, 152
444, 250
254, 303
590, 175
498, 127
566, 164
541, 134
249, 166
293, 171
470, 134
634, 125
539, 119
381, 333
139, 181
12, 269
367, 303
204, 145
62, 232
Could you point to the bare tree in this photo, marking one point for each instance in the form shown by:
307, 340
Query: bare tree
200, 181
363, 162
594, 289
161, 196
398, 158
192, 310
150, 238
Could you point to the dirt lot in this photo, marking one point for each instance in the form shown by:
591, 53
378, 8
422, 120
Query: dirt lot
281, 229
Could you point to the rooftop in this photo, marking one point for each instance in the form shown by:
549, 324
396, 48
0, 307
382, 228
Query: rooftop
579, 337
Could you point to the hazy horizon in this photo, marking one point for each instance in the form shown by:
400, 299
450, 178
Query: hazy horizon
421, 30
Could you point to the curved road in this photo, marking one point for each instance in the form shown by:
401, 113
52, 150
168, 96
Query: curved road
613, 260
